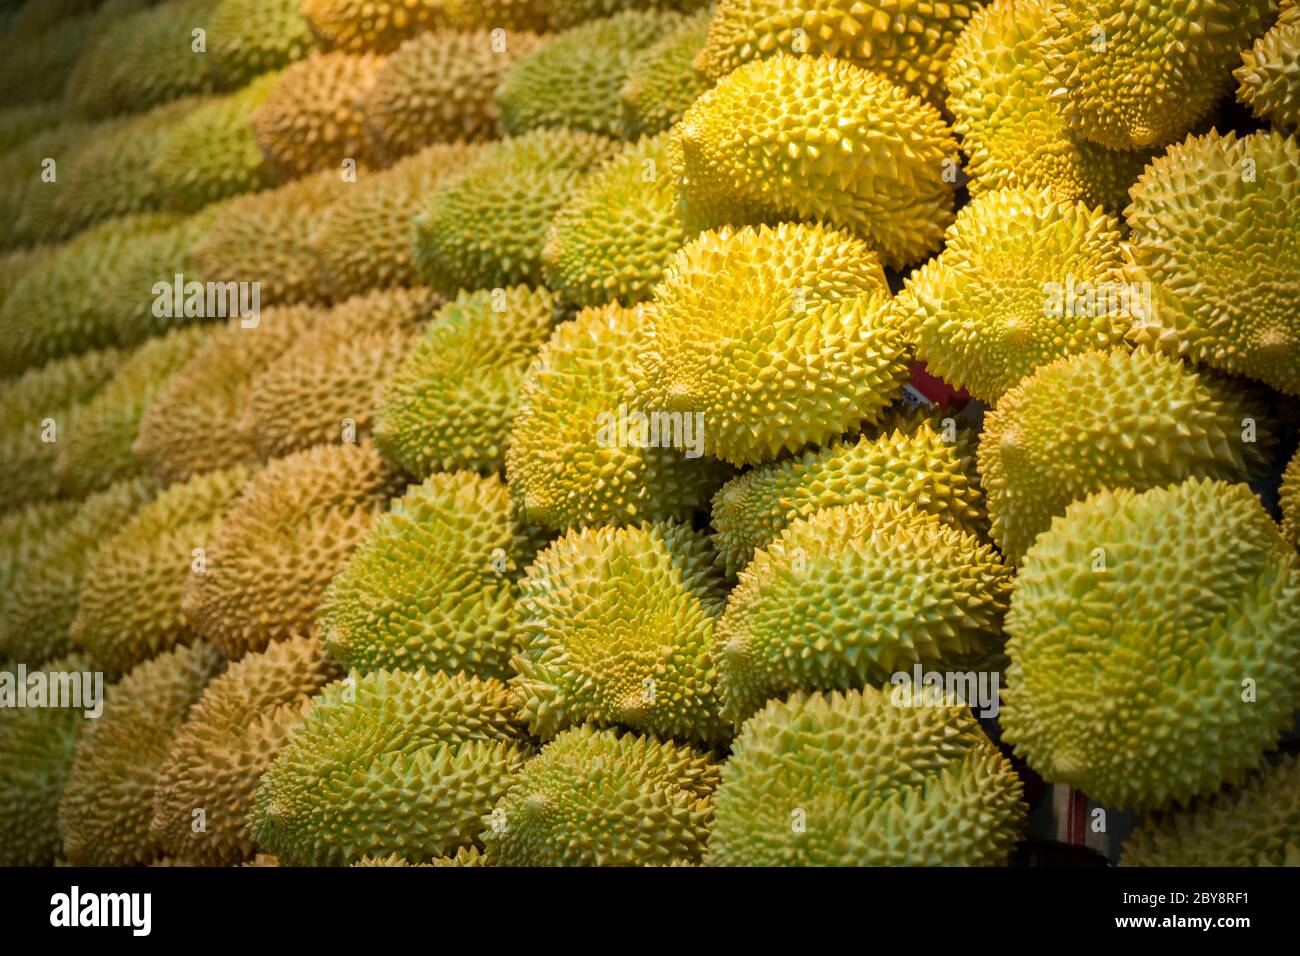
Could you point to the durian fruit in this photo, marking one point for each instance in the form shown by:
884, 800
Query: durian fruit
908, 42
1269, 75
18, 124
15, 263
463, 373
771, 338
438, 88
850, 596
379, 26
486, 228
1109, 420
570, 13
43, 403
1140, 628
129, 609
291, 530
213, 153
926, 463
432, 584
601, 798
571, 463
325, 386
26, 194
661, 79
1290, 495
22, 535
1215, 233
266, 238
465, 856
799, 137
1256, 825
363, 240
228, 740
107, 804
195, 421
37, 745
613, 239
247, 38
1134, 74
312, 119
854, 779
390, 762
37, 612
617, 629
97, 450
574, 78
1023, 279
37, 69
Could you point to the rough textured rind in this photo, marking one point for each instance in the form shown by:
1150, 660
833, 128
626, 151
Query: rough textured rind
1256, 825
1140, 627
23, 532
129, 609
230, 737
772, 338
851, 596
851, 779
391, 762
598, 798
661, 80
25, 200
438, 88
1109, 420
1269, 75
613, 239
463, 374
617, 629
924, 463
432, 584
107, 804
314, 505
37, 67
1133, 74
566, 464
18, 124
486, 229
247, 38
370, 25
1291, 501
1022, 281
570, 13
1215, 233
811, 138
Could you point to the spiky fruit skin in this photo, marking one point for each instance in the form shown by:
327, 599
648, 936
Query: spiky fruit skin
54, 391
266, 238
1269, 75
389, 762
798, 137
212, 153
324, 387
566, 465
850, 596
464, 373
617, 629
25, 201
438, 88
465, 856
573, 79
487, 228
1121, 686
775, 336
97, 451
1085, 423
228, 740
1290, 495
598, 798
378, 26
1214, 233
906, 41
851, 779
37, 613
924, 463
194, 423
18, 124
363, 240
432, 584
37, 70
661, 79
129, 608
247, 38
571, 13
37, 746
107, 804
312, 120
613, 239
22, 534
1135, 74
1023, 280
1256, 825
